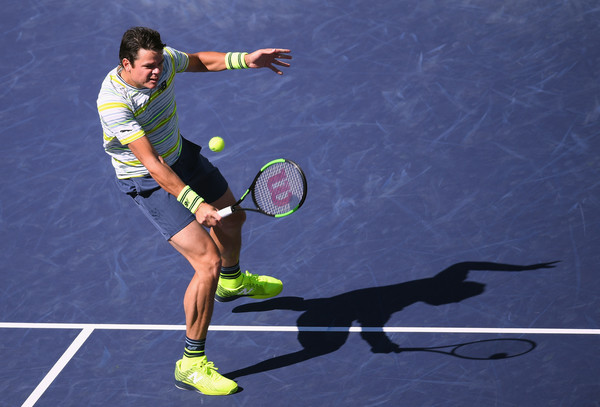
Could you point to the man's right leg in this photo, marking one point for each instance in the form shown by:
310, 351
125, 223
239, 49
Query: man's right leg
196, 373
195, 244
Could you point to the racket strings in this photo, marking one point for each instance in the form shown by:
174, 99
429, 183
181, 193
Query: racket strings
279, 189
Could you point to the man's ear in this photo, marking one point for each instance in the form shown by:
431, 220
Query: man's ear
126, 64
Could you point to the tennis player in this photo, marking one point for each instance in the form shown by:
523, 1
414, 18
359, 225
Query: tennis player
176, 187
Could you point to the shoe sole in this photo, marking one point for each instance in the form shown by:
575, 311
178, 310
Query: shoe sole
235, 297
184, 386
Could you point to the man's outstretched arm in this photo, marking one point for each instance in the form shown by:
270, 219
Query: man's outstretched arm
211, 61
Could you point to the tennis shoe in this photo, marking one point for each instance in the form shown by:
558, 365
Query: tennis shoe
253, 286
203, 378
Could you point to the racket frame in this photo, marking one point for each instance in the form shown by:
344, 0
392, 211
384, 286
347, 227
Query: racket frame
236, 207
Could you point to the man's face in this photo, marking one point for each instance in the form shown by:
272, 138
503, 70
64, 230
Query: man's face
145, 71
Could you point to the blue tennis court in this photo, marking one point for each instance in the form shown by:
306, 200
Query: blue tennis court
447, 252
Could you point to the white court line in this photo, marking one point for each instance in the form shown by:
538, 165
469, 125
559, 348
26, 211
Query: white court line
87, 329
58, 367
254, 328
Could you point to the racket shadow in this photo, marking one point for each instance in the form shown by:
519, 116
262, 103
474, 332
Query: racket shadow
373, 307
486, 349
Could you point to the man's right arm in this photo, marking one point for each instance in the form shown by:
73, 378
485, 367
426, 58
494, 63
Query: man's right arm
156, 166
168, 179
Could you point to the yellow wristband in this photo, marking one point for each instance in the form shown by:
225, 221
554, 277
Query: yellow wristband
189, 199
235, 60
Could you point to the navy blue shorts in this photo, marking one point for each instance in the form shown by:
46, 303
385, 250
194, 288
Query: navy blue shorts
164, 211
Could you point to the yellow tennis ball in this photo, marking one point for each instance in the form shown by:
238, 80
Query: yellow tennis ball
216, 144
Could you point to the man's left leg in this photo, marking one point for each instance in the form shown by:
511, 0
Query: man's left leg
228, 238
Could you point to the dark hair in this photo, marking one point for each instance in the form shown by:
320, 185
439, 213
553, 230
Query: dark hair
137, 38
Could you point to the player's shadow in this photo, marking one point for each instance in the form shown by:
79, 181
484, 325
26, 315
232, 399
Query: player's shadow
369, 307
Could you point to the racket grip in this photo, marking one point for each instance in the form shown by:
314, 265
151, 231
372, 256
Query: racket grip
225, 212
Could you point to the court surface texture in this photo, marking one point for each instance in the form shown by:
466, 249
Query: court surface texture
448, 250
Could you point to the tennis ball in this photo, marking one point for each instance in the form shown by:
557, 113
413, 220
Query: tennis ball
216, 144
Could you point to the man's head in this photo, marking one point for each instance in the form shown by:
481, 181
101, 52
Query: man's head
141, 55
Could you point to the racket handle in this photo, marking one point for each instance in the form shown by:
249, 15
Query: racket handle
225, 212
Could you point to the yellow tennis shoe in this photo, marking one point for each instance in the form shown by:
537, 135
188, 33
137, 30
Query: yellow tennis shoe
203, 378
252, 285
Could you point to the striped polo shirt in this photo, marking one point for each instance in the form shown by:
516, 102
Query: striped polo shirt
128, 113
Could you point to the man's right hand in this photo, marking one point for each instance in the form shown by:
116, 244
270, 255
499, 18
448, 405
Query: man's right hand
207, 215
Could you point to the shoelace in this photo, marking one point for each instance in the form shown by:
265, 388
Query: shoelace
252, 280
205, 364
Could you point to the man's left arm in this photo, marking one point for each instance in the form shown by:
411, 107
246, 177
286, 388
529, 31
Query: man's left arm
210, 61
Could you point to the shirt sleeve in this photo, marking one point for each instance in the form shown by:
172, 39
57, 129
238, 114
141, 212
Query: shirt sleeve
180, 59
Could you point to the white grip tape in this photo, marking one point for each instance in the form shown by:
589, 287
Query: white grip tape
225, 212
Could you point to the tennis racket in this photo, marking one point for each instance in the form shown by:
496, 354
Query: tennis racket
278, 190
